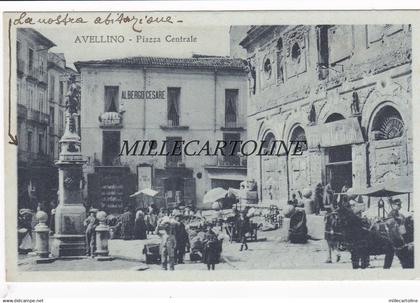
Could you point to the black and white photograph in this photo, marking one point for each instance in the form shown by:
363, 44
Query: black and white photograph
155, 146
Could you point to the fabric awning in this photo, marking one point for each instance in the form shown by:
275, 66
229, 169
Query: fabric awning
147, 191
341, 132
394, 187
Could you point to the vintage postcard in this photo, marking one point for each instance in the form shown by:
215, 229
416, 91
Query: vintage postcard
154, 146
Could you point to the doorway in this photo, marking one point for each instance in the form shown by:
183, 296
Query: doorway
110, 147
339, 171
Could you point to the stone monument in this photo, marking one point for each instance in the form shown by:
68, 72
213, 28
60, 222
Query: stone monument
69, 239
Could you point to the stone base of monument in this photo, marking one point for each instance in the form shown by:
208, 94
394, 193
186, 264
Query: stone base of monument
68, 245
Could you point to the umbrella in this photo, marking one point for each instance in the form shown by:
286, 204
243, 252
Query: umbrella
147, 191
214, 195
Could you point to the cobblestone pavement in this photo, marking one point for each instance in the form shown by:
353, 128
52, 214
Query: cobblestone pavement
267, 253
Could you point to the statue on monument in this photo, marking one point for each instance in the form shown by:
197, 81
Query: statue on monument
72, 103
73, 96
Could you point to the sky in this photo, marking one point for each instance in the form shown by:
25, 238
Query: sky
211, 41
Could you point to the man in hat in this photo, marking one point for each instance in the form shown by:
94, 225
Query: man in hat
396, 211
182, 240
90, 223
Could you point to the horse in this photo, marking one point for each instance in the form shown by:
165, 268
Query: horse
400, 232
333, 235
362, 241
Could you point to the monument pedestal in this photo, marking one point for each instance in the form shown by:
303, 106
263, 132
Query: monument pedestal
69, 240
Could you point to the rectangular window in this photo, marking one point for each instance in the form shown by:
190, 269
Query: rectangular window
111, 98
231, 156
111, 141
18, 56
231, 107
173, 106
31, 60
51, 85
61, 92
52, 147
29, 141
174, 154
61, 123
41, 102
41, 144
52, 116
323, 52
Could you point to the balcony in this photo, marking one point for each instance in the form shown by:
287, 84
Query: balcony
172, 123
110, 120
231, 123
229, 162
42, 75
32, 74
174, 161
22, 111
39, 117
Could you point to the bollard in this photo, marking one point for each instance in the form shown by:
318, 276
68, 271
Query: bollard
102, 236
42, 238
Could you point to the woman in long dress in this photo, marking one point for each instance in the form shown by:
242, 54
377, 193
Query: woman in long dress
140, 227
126, 220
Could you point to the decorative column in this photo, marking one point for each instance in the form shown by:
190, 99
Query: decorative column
69, 238
42, 238
102, 236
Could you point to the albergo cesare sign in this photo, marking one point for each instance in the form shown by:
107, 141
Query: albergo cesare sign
143, 94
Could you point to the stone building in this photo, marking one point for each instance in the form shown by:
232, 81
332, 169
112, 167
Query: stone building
157, 99
345, 89
36, 172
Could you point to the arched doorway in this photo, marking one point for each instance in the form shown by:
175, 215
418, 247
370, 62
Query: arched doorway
338, 166
269, 178
298, 169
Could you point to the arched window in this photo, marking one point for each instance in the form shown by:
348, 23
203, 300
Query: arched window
334, 117
387, 124
267, 68
296, 52
298, 134
268, 141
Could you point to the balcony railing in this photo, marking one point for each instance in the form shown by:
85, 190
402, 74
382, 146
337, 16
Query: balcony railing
37, 116
22, 111
173, 120
235, 160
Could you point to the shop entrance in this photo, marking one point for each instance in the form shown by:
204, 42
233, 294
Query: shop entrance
339, 167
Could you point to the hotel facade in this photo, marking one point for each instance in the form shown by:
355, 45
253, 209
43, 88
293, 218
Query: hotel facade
160, 99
